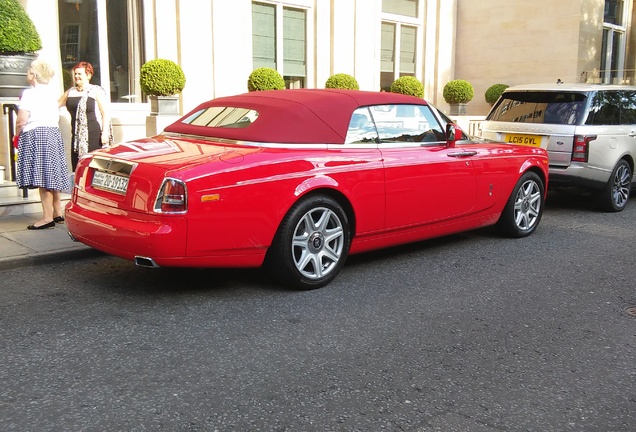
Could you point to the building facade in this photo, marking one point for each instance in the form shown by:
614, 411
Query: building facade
518, 42
219, 42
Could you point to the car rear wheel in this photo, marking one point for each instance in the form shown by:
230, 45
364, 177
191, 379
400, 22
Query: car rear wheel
524, 208
614, 196
311, 245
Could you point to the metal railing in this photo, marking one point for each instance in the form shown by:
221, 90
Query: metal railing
614, 76
11, 110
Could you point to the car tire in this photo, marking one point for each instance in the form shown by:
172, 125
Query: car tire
311, 244
615, 195
524, 208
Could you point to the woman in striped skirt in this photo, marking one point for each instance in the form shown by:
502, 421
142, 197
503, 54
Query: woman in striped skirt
41, 158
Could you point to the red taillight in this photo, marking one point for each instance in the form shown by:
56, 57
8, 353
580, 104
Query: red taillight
581, 148
172, 198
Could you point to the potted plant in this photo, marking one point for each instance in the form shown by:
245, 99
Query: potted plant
342, 81
19, 40
265, 78
162, 80
457, 93
408, 85
494, 92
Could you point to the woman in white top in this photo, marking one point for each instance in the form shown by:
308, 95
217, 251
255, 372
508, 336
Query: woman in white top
41, 158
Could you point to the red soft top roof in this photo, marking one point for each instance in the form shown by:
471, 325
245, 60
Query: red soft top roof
293, 116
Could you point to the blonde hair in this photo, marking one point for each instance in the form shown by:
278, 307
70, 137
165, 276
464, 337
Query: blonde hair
42, 70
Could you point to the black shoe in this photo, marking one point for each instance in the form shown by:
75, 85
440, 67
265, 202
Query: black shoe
46, 225
58, 219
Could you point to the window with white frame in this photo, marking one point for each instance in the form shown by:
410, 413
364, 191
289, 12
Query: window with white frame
70, 44
613, 45
279, 41
115, 54
401, 7
398, 51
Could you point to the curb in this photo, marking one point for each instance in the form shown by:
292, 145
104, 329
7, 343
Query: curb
51, 257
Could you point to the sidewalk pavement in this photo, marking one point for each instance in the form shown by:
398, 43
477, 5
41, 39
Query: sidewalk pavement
20, 247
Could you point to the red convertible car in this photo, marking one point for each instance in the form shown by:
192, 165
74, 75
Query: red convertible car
297, 180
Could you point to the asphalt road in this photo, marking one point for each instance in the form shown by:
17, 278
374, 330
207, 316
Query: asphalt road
473, 332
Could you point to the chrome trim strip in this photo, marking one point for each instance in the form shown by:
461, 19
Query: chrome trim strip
317, 146
112, 165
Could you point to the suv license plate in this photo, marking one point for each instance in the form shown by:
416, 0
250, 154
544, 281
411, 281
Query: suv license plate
111, 182
527, 140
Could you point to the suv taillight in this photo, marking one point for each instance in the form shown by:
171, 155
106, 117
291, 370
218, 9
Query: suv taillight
581, 148
172, 197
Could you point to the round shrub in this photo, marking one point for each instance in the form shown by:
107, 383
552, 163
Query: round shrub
17, 31
458, 91
265, 79
408, 85
342, 81
493, 92
161, 77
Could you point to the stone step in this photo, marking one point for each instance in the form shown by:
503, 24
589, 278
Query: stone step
10, 190
12, 201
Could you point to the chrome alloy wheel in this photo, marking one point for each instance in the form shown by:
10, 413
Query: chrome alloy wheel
317, 243
527, 207
621, 185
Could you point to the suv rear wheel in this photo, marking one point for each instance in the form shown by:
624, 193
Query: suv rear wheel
615, 194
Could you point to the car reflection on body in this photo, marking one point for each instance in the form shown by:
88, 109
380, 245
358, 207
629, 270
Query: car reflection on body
296, 180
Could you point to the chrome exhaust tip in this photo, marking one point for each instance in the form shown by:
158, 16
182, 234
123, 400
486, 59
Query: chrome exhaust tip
145, 262
71, 236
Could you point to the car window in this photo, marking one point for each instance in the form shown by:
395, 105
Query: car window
406, 123
540, 107
229, 117
612, 108
361, 128
447, 120
628, 109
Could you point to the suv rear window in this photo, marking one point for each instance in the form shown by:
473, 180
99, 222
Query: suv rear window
566, 108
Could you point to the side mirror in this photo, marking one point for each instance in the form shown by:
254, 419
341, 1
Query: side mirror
453, 133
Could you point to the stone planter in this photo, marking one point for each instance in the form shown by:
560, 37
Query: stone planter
457, 109
13, 73
164, 105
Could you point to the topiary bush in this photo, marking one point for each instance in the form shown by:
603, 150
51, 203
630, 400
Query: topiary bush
408, 85
161, 77
17, 32
265, 78
494, 92
342, 81
458, 91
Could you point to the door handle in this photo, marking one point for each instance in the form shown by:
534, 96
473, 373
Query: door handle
461, 154
632, 133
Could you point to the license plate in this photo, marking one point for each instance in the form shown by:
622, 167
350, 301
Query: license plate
111, 182
527, 140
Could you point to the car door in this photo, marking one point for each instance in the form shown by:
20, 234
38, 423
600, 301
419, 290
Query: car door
612, 121
426, 181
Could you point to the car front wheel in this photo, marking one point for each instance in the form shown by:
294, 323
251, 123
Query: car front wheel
311, 245
614, 196
524, 208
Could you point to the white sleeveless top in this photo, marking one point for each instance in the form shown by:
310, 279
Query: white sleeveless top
42, 103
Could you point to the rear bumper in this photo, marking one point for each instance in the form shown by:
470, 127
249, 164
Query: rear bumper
127, 234
160, 238
578, 176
